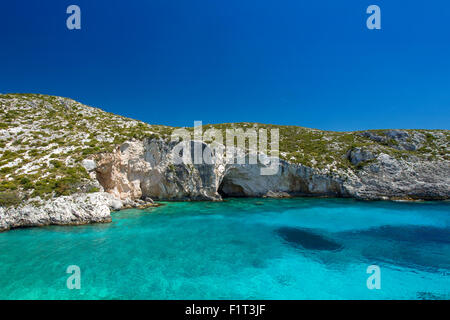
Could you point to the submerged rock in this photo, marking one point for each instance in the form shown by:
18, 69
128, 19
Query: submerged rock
401, 233
307, 239
408, 246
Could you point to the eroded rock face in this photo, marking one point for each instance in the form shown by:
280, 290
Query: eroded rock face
358, 155
119, 172
67, 210
292, 179
398, 139
146, 168
141, 169
390, 178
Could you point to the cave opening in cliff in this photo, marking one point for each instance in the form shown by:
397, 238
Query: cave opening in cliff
229, 189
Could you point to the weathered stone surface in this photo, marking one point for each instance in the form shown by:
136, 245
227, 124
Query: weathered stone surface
67, 210
398, 139
373, 164
116, 204
89, 164
279, 194
390, 178
358, 155
144, 169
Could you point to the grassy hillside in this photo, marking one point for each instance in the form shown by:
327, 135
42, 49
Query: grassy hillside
43, 140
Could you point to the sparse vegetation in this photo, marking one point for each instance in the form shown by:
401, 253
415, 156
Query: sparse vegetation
9, 198
45, 138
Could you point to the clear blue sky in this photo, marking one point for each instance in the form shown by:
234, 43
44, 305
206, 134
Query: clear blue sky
308, 63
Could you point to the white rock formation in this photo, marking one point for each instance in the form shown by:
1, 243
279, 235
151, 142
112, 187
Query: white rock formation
145, 170
140, 169
67, 210
43, 139
89, 164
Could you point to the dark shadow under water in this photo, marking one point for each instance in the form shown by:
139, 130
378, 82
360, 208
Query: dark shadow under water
417, 247
415, 234
307, 239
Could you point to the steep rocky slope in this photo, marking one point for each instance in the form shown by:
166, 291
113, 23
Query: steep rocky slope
62, 162
143, 169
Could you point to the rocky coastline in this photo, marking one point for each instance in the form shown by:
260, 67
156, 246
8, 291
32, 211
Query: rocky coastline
138, 172
90, 182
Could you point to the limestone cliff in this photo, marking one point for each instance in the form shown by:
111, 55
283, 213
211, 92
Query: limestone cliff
143, 169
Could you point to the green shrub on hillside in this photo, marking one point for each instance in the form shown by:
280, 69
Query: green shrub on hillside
9, 198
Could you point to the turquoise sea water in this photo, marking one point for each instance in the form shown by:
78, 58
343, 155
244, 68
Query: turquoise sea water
238, 249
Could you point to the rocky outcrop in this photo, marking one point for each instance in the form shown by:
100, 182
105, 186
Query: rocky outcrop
389, 178
67, 210
141, 169
292, 179
359, 155
76, 209
398, 139
47, 144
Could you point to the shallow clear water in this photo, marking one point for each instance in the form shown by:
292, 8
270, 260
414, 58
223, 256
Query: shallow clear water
238, 249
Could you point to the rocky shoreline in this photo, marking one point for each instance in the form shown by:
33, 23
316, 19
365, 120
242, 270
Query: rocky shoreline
77, 209
65, 163
139, 171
